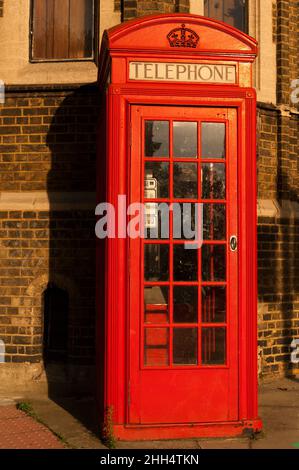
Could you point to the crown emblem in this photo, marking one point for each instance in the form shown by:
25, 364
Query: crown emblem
183, 37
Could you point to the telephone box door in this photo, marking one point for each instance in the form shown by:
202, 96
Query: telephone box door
183, 299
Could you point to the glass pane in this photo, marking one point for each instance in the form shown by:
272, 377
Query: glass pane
156, 263
64, 32
213, 181
185, 299
185, 180
184, 264
185, 346
156, 182
213, 263
156, 138
233, 12
185, 139
184, 218
156, 221
81, 30
156, 346
214, 222
214, 346
156, 304
213, 140
213, 304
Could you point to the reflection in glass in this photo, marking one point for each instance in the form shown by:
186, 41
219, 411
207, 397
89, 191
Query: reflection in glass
156, 181
233, 12
156, 263
213, 304
185, 139
213, 140
185, 180
213, 181
156, 138
213, 263
185, 346
156, 304
156, 221
156, 346
214, 346
214, 222
185, 304
184, 264
184, 217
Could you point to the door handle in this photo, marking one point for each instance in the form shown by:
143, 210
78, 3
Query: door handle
233, 243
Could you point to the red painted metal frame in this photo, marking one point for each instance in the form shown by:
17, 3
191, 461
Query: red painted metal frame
159, 409
113, 326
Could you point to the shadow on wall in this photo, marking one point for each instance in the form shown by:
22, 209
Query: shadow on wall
278, 254
69, 300
287, 278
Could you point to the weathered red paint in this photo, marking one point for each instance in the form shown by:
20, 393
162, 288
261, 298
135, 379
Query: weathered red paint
137, 413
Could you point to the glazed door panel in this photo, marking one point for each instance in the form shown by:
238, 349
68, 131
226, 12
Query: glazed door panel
183, 292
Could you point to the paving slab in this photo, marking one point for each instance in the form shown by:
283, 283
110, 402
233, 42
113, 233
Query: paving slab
212, 444
188, 444
171, 444
19, 431
280, 439
64, 419
279, 410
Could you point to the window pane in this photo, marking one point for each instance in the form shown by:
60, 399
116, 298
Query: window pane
213, 181
156, 263
213, 263
81, 28
156, 304
156, 138
156, 346
39, 26
156, 221
213, 140
185, 346
214, 346
214, 222
213, 304
156, 180
185, 217
185, 181
233, 12
185, 304
62, 29
185, 263
185, 139
61, 25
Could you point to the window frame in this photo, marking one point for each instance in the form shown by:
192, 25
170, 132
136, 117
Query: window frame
246, 19
95, 25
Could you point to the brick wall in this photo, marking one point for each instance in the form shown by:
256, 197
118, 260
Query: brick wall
47, 146
278, 293
48, 141
38, 248
278, 183
267, 152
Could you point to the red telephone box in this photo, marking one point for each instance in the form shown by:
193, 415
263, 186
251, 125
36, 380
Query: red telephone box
177, 342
